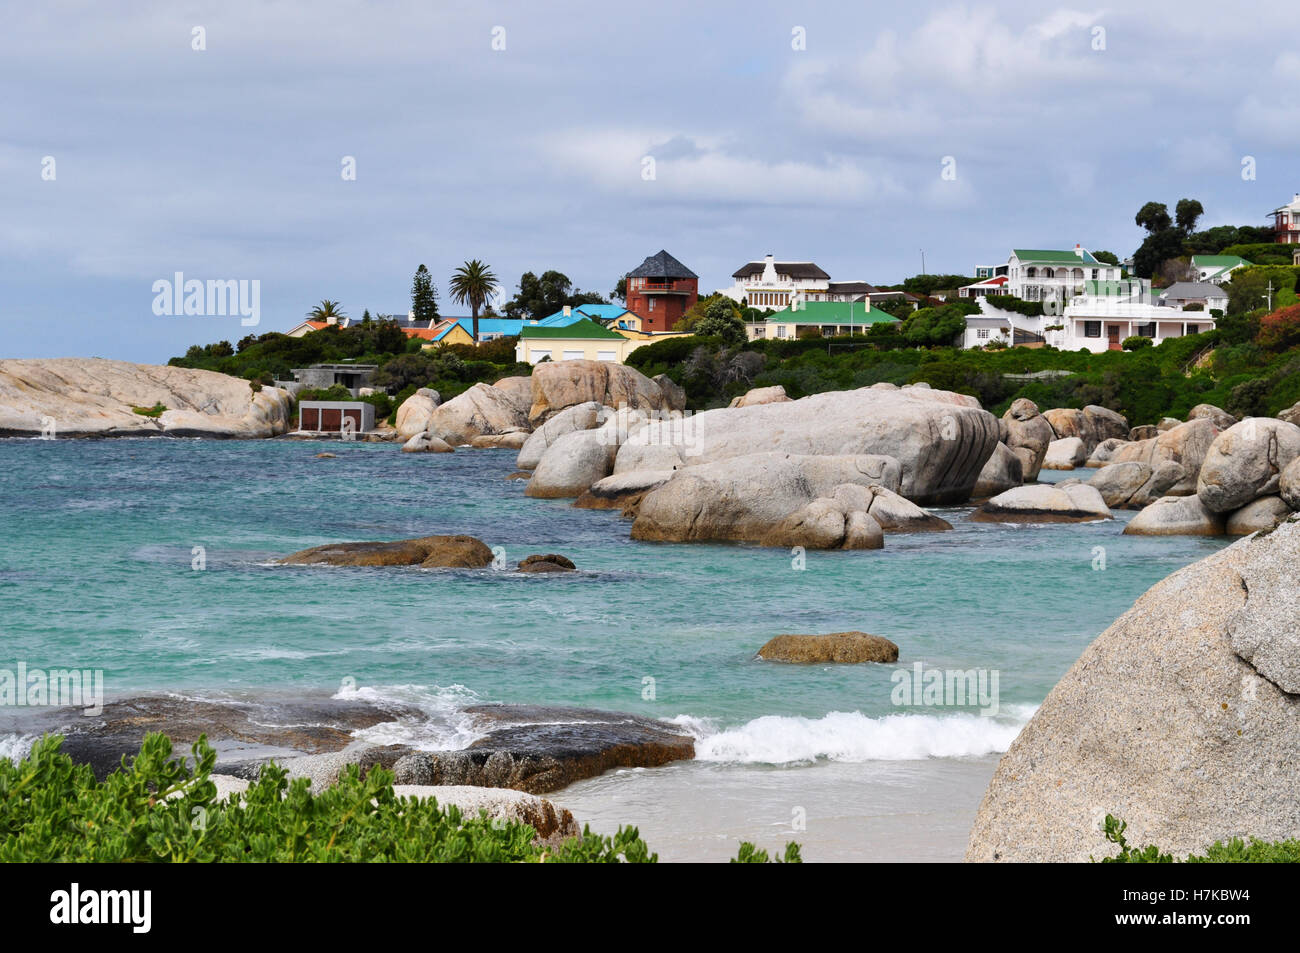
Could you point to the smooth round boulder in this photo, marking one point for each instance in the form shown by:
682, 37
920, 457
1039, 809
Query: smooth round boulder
1135, 485
842, 647
573, 463
1246, 462
425, 442
1187, 445
550, 562
1044, 503
1258, 516
413, 414
584, 416
1176, 516
1066, 453
760, 395
1222, 419
1092, 424
1003, 471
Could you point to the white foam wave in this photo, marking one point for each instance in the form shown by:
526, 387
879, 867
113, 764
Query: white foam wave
854, 737
15, 747
442, 725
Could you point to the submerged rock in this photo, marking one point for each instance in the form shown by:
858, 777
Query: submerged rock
1182, 719
551, 562
427, 552
846, 647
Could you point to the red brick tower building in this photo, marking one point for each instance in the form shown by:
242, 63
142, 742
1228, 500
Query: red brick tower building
660, 290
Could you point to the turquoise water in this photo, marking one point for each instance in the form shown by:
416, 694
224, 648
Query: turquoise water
96, 572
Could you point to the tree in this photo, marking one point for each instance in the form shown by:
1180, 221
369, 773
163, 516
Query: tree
539, 297
1109, 257
620, 290
721, 319
473, 283
325, 310
424, 296
934, 327
1155, 250
1154, 217
1186, 212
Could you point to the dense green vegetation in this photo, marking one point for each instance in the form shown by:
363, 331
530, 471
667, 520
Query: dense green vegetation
159, 809
1235, 851
156, 410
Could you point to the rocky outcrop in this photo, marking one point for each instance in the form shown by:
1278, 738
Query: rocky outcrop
1246, 462
1289, 484
427, 552
553, 824
1185, 444
413, 414
1182, 719
750, 498
93, 397
1028, 435
584, 416
560, 384
760, 395
1135, 485
483, 409
1044, 503
1176, 516
541, 749
1003, 471
1092, 425
844, 647
1067, 453
941, 440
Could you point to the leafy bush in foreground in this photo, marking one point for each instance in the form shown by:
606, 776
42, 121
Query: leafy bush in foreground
1235, 851
159, 810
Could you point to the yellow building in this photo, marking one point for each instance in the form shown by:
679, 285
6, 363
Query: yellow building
583, 340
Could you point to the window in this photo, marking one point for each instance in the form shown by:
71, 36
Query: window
780, 330
1092, 329
982, 333
651, 306
610, 356
1095, 273
537, 355
1146, 330
574, 355
1031, 272
1193, 329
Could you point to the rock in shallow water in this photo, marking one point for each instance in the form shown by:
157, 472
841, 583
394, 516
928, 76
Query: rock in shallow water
1044, 503
551, 562
846, 647
427, 552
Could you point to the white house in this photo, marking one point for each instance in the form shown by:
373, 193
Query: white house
776, 284
1216, 269
1183, 293
1039, 275
1100, 319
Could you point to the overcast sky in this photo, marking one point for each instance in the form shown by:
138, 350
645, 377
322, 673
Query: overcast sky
226, 162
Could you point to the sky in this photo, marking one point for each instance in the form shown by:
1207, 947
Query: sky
139, 139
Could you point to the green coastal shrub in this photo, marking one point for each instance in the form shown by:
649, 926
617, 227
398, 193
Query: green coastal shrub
1136, 342
1234, 851
156, 410
160, 809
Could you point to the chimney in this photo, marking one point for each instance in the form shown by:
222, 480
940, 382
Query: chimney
769, 259
568, 311
331, 319
1078, 249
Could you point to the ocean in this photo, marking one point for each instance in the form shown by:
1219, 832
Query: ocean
151, 560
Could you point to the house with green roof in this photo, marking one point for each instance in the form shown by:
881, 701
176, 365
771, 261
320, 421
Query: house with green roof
583, 340
828, 317
1036, 274
1216, 269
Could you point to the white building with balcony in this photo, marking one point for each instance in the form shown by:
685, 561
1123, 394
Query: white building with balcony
778, 284
1039, 275
1286, 219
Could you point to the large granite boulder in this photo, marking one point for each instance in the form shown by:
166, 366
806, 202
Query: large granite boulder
1004, 470
1067, 453
1182, 719
1135, 485
767, 496
575, 461
1221, 418
1105, 452
1176, 516
93, 397
1044, 503
585, 416
1092, 424
413, 414
942, 440
483, 409
427, 552
674, 394
560, 384
1185, 444
1258, 516
425, 442
622, 491
1028, 434
1246, 462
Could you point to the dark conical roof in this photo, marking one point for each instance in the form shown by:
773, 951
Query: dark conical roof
662, 265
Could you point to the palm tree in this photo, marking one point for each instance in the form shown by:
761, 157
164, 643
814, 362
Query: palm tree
326, 310
472, 284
